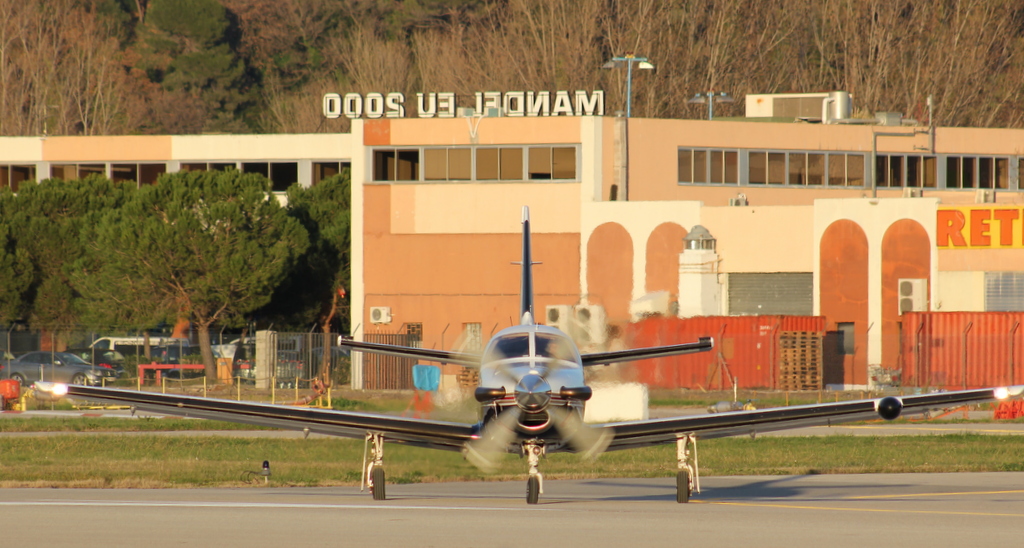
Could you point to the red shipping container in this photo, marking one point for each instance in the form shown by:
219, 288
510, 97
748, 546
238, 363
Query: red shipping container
961, 350
746, 350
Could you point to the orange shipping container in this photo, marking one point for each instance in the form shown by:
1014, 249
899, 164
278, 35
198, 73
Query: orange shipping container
746, 350
960, 350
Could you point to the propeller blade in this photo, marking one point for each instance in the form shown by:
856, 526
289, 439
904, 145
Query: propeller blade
590, 442
485, 452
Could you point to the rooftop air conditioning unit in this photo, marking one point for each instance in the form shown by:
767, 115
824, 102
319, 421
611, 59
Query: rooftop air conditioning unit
380, 314
913, 294
984, 196
739, 200
911, 192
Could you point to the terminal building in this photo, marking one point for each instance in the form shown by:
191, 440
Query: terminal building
796, 210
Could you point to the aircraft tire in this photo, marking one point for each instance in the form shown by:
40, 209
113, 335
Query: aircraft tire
379, 487
532, 490
683, 486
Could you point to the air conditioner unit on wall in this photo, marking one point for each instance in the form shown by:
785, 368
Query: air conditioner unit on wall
380, 314
560, 317
984, 196
913, 295
592, 322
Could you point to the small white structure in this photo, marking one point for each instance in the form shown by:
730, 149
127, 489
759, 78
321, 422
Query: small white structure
613, 402
700, 294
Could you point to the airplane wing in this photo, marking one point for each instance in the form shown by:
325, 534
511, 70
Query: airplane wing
599, 358
444, 356
628, 435
450, 436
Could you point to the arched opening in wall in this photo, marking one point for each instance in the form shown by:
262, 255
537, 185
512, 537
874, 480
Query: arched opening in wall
610, 270
906, 255
843, 284
663, 248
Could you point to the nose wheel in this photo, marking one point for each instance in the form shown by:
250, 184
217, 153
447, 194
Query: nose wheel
535, 483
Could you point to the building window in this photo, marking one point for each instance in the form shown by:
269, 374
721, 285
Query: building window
325, 170
447, 164
212, 166
12, 176
504, 164
283, 175
708, 166
806, 168
845, 169
396, 165
546, 163
142, 174
847, 342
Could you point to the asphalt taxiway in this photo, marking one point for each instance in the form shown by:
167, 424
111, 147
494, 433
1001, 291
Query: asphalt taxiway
904, 510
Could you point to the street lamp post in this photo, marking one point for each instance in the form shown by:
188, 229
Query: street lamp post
627, 61
710, 97
618, 62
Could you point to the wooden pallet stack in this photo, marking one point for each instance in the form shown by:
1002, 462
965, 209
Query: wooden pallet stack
800, 360
469, 378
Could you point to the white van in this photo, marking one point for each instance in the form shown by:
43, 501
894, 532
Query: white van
161, 349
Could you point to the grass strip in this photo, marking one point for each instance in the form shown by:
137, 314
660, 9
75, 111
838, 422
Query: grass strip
140, 461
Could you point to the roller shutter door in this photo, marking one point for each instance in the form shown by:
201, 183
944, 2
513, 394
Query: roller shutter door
1004, 291
786, 293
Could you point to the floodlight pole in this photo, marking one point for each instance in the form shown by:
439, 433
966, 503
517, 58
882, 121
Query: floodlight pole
628, 61
710, 97
618, 62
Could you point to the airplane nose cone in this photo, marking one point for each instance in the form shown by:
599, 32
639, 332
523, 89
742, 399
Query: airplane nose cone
533, 393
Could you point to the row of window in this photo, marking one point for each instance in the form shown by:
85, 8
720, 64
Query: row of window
475, 164
846, 169
281, 174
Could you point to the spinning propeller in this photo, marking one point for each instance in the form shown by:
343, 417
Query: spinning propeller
532, 394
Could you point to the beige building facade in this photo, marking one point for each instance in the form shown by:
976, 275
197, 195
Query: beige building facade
854, 222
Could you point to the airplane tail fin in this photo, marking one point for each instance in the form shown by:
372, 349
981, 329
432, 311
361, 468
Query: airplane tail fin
526, 291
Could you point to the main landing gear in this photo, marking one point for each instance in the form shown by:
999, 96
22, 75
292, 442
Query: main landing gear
688, 476
373, 475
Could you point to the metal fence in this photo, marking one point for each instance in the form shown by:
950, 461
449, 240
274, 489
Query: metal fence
301, 357
383, 372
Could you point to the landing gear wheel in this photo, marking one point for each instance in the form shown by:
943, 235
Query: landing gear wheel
532, 490
683, 486
378, 485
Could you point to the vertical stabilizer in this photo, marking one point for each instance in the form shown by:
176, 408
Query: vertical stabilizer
526, 291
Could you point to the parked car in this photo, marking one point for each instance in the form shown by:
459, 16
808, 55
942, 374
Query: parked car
101, 358
57, 367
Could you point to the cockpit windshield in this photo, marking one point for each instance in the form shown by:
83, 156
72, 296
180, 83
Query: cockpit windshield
512, 346
554, 347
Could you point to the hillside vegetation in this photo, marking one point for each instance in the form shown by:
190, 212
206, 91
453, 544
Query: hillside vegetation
100, 67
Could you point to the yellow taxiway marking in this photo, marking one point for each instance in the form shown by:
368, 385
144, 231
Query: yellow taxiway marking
910, 495
951, 429
873, 510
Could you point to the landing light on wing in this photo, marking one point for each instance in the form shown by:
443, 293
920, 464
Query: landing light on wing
50, 390
1004, 392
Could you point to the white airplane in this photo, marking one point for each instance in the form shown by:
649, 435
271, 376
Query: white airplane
532, 394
